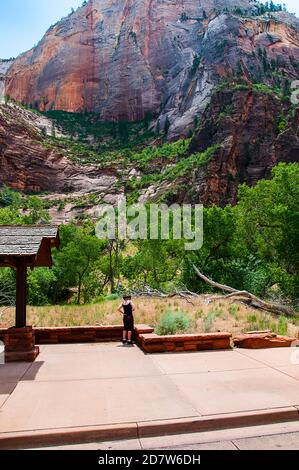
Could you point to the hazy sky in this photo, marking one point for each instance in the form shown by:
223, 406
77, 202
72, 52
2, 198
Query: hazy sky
24, 22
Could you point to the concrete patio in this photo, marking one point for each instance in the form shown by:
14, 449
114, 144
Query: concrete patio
75, 393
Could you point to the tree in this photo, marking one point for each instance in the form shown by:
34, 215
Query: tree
111, 263
158, 127
155, 263
34, 211
53, 130
166, 126
41, 285
79, 255
218, 250
17, 209
113, 131
123, 131
147, 120
268, 222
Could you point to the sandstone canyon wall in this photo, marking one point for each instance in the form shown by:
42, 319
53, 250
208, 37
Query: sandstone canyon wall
27, 164
245, 125
126, 59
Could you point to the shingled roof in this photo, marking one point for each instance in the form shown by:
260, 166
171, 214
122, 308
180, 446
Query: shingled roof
32, 242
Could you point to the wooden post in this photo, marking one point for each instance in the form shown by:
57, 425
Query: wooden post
21, 295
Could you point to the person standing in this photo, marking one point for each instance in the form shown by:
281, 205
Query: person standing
127, 309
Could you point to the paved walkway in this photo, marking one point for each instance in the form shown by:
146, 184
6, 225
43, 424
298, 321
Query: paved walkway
101, 384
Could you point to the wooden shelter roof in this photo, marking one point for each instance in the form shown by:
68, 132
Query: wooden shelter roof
31, 242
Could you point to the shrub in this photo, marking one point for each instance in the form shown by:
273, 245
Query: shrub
282, 327
265, 322
209, 319
41, 285
234, 310
260, 323
112, 297
282, 124
198, 314
252, 318
172, 323
208, 322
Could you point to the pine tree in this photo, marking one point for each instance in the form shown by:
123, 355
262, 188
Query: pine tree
166, 125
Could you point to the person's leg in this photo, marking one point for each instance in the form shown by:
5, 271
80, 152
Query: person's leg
130, 337
125, 336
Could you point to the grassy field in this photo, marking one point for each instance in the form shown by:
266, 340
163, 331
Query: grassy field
204, 316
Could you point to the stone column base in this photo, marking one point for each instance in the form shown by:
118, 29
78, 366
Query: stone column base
20, 345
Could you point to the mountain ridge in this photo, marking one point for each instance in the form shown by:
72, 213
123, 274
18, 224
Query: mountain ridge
125, 60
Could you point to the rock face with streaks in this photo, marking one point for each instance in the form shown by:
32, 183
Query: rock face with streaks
251, 131
126, 59
4, 67
213, 66
245, 125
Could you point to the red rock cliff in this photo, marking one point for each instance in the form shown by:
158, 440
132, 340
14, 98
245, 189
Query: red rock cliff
126, 58
26, 164
245, 124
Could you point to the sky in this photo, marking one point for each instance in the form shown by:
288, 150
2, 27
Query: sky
24, 22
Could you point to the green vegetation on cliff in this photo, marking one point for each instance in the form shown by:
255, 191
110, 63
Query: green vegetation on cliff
87, 128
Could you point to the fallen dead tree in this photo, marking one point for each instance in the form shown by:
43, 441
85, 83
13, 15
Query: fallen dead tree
272, 307
147, 291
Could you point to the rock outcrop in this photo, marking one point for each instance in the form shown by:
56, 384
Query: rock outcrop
246, 126
252, 130
27, 164
4, 67
162, 59
263, 341
128, 59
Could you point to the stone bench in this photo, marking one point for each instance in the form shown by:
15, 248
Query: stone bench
152, 343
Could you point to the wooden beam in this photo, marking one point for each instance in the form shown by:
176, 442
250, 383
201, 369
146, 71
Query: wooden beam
43, 257
21, 294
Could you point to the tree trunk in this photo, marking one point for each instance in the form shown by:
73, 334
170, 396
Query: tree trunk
79, 291
272, 307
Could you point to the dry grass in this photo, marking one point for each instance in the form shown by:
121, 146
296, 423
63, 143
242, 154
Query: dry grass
222, 315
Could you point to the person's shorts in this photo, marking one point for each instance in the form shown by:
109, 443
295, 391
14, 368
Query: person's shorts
128, 322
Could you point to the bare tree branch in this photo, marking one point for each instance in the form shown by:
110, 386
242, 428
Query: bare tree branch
147, 291
278, 309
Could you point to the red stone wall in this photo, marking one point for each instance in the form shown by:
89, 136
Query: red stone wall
82, 334
152, 343
88, 334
